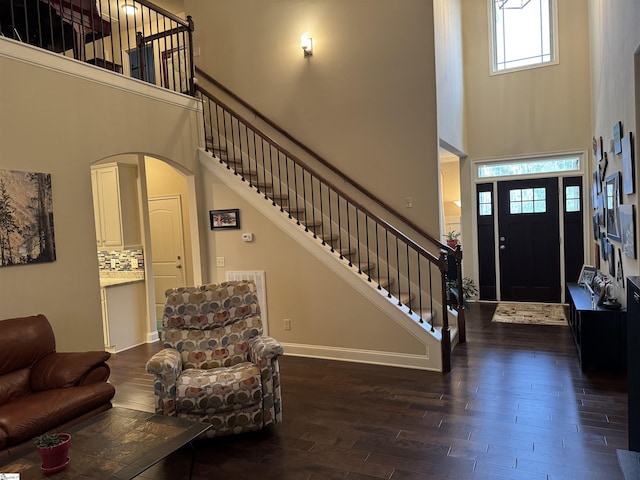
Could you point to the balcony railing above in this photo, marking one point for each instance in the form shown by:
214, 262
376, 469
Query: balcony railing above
129, 37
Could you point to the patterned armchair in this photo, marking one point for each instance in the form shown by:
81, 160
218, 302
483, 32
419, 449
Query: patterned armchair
217, 366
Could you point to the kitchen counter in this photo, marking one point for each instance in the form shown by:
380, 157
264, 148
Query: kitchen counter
110, 281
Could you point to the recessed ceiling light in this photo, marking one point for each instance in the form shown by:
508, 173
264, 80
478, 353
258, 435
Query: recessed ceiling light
129, 9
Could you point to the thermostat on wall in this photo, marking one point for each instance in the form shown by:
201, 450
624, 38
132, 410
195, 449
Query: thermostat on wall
247, 237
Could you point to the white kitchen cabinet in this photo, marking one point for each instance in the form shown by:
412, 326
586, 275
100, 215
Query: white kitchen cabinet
115, 205
124, 316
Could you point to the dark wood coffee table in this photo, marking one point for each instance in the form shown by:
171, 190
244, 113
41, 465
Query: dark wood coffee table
117, 444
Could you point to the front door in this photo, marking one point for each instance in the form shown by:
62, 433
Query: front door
167, 247
529, 240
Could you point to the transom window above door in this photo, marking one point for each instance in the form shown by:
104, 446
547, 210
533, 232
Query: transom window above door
523, 34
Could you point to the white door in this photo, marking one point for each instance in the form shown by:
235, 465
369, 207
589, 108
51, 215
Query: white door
167, 246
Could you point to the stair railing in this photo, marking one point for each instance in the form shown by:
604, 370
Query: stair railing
130, 37
397, 265
454, 255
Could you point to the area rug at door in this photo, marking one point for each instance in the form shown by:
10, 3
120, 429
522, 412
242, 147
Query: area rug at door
530, 313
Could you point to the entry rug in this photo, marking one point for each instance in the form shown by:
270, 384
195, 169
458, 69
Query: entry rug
530, 313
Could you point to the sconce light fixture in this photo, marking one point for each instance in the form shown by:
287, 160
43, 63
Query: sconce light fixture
306, 42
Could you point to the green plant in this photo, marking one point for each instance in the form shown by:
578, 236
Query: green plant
452, 235
50, 440
469, 289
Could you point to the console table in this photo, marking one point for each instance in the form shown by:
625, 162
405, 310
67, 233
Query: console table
600, 334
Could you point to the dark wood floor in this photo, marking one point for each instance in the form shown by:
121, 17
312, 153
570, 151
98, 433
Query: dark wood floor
515, 406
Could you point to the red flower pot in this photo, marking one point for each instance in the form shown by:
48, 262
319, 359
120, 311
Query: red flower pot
55, 458
453, 243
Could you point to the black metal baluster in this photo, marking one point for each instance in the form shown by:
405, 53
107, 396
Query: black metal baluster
408, 280
349, 233
282, 200
26, 23
331, 222
358, 256
340, 231
431, 295
420, 289
111, 41
39, 25
273, 190
239, 129
321, 215
53, 41
122, 59
398, 269
313, 208
295, 186
226, 141
92, 26
246, 132
378, 256
304, 198
366, 231
279, 182
386, 243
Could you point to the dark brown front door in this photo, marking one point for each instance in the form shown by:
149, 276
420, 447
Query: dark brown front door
529, 240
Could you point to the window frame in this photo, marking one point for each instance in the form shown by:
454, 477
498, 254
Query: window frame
553, 32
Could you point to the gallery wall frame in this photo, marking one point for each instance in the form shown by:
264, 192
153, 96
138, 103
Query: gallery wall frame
617, 136
626, 214
613, 199
628, 173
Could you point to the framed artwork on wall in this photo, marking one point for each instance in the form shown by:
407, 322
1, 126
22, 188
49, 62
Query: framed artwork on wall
628, 174
612, 200
617, 136
26, 214
225, 219
627, 218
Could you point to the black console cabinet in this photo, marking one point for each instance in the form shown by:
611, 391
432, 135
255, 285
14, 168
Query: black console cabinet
633, 364
600, 335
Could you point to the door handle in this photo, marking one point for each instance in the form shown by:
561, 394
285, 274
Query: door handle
502, 247
178, 265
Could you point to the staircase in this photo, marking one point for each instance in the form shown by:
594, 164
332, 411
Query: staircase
378, 257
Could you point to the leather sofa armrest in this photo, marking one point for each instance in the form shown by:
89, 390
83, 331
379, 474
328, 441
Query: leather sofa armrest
67, 369
263, 347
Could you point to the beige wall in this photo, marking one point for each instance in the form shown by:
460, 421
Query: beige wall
365, 100
324, 310
60, 124
449, 72
615, 40
528, 112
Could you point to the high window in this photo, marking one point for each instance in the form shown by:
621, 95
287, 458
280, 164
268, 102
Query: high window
523, 33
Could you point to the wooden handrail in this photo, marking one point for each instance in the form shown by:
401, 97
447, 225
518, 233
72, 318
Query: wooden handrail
456, 252
397, 233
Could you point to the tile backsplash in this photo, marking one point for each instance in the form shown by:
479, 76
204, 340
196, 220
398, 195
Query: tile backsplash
123, 260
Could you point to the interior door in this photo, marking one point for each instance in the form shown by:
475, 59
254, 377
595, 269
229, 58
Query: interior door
529, 240
167, 247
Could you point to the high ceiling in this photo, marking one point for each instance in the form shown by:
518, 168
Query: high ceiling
174, 6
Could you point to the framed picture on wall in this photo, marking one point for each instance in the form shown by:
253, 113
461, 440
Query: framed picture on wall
224, 219
627, 218
617, 136
612, 202
628, 174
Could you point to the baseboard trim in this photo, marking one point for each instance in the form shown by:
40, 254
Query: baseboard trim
390, 359
152, 337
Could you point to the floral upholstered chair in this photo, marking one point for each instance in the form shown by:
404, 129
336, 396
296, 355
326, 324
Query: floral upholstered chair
216, 366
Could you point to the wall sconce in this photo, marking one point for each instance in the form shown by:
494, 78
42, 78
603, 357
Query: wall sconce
306, 42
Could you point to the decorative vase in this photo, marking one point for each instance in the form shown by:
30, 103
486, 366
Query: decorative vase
453, 243
56, 458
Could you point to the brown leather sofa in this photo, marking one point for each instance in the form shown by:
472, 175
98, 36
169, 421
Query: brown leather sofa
41, 389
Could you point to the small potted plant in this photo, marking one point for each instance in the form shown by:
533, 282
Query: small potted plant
453, 238
469, 290
53, 449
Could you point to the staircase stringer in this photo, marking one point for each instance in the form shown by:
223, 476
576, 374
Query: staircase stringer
399, 314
